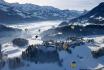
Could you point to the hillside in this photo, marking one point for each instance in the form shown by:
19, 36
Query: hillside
15, 13
94, 16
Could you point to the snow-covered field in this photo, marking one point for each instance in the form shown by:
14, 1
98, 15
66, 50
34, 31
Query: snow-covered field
87, 62
30, 30
80, 54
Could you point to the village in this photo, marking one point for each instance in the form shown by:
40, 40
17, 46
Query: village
50, 52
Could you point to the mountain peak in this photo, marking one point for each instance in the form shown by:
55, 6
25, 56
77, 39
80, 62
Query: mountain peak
2, 1
96, 16
101, 4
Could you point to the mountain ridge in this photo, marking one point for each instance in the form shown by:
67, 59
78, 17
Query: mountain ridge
15, 12
94, 16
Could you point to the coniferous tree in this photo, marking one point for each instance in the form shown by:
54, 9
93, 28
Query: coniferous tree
0, 52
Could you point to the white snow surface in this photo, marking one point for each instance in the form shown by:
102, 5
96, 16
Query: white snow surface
85, 62
84, 51
32, 29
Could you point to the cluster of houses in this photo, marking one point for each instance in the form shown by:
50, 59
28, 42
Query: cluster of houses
70, 42
45, 52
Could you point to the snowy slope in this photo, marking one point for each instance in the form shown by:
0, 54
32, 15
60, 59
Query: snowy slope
15, 12
32, 31
2, 1
94, 16
80, 54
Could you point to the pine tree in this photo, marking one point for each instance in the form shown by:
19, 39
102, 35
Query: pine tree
0, 52
0, 48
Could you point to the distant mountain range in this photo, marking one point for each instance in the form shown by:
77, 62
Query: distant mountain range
92, 25
95, 16
14, 12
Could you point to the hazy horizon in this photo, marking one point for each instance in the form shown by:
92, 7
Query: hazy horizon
63, 4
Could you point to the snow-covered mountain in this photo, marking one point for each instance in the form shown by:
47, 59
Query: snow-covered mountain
64, 32
5, 28
2, 1
9, 32
85, 25
95, 16
15, 12
74, 54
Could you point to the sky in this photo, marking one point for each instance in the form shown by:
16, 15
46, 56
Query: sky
63, 4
